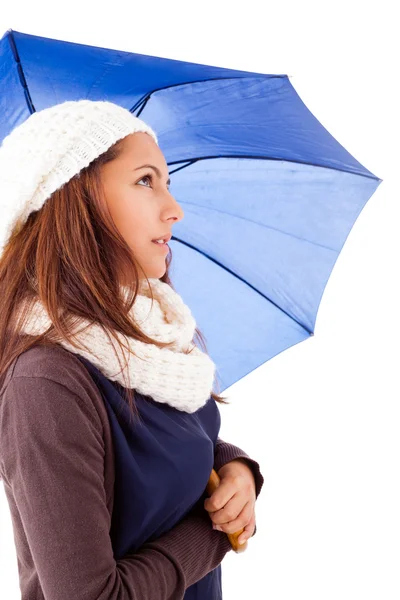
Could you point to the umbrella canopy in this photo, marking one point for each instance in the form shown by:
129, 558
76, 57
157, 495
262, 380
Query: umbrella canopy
269, 195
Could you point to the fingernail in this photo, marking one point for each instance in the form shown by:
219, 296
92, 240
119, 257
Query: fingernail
217, 527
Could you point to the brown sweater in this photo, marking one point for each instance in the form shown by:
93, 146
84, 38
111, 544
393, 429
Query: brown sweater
57, 466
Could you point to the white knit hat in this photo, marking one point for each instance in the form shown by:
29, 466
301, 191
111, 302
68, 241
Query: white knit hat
53, 145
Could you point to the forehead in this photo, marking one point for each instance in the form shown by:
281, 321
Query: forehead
140, 148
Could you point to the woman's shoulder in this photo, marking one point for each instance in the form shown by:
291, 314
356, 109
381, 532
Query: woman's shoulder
43, 361
55, 369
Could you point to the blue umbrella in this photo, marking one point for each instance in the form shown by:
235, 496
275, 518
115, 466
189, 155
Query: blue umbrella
269, 195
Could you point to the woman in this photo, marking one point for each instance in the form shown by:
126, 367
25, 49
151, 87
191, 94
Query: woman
108, 422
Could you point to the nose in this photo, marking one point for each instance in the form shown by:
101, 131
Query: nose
174, 209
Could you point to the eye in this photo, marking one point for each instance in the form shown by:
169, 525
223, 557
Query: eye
146, 177
149, 177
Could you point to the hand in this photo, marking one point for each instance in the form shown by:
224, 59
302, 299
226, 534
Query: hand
232, 506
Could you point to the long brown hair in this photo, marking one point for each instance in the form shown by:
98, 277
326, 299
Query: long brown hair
70, 255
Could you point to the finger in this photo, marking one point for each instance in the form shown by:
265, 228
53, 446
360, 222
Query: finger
221, 496
239, 522
248, 530
230, 511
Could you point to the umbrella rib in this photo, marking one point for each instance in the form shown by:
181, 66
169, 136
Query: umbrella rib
190, 161
148, 95
245, 282
140, 104
296, 237
21, 72
180, 168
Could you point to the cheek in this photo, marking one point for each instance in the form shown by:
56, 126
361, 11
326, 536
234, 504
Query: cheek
137, 233
130, 217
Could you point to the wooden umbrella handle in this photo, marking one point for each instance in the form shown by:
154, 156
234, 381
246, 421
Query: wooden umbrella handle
212, 485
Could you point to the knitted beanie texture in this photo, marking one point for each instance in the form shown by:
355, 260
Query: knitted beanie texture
52, 146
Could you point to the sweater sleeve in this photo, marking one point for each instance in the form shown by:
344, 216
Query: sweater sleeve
225, 452
52, 459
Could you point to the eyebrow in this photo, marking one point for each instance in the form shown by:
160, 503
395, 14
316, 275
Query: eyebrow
156, 169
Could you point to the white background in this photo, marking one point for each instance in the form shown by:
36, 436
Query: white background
322, 418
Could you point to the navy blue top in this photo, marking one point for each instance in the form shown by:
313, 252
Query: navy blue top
162, 465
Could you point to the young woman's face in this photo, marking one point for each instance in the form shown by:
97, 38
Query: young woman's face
139, 200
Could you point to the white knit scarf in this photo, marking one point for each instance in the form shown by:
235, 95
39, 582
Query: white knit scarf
167, 375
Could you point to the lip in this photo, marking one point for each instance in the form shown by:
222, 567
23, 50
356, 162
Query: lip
166, 237
164, 246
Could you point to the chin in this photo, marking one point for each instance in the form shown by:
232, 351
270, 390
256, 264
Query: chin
156, 273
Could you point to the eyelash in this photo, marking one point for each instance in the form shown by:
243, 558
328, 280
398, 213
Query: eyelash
146, 177
149, 176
